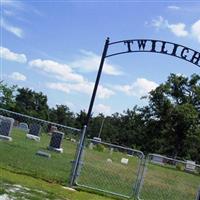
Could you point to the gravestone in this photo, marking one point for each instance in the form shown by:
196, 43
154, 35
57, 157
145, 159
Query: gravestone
23, 126
34, 132
124, 161
157, 159
111, 150
190, 166
91, 145
6, 125
43, 154
52, 129
56, 140
109, 160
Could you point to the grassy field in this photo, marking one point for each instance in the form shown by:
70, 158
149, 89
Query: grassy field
20, 156
161, 183
18, 187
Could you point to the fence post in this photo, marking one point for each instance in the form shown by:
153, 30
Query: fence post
78, 157
141, 177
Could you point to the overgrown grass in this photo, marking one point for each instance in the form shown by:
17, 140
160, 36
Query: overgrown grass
161, 183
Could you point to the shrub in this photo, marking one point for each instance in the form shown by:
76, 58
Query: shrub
180, 167
99, 147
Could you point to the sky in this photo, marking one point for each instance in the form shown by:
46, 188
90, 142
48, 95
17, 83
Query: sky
55, 47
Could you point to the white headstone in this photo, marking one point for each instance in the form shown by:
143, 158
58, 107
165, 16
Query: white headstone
109, 160
124, 161
111, 150
91, 146
190, 165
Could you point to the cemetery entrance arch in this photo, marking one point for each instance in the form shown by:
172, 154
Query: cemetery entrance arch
131, 46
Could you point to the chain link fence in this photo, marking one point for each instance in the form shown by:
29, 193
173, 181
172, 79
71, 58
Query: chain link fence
36, 147
169, 179
53, 152
109, 168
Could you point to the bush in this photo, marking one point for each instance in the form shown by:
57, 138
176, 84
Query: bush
99, 147
180, 167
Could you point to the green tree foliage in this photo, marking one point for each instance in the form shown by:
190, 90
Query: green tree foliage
7, 96
169, 124
32, 103
62, 115
172, 117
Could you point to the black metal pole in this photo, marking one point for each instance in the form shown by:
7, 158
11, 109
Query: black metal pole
82, 139
97, 82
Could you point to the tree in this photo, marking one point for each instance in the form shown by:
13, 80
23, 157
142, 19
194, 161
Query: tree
62, 115
173, 116
32, 103
7, 96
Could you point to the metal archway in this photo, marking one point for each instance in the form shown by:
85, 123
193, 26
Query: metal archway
144, 45
133, 46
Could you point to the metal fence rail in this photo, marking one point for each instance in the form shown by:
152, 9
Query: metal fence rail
37, 147
110, 168
169, 179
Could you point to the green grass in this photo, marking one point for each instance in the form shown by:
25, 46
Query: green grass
37, 189
20, 156
161, 183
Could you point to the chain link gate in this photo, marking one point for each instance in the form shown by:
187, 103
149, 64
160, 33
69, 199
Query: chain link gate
169, 179
110, 168
36, 147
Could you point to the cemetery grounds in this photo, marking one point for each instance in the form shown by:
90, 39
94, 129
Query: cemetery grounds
20, 165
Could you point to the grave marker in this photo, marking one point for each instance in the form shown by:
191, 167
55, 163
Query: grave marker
109, 160
6, 125
190, 166
34, 132
111, 150
124, 161
56, 140
52, 129
91, 145
23, 126
157, 159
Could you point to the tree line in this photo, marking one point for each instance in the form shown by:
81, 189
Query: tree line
169, 124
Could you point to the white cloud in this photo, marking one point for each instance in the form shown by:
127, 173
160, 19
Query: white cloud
159, 23
195, 30
17, 76
138, 88
174, 7
7, 54
178, 29
82, 87
89, 62
12, 29
60, 71
101, 108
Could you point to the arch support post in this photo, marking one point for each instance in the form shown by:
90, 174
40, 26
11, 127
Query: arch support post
80, 147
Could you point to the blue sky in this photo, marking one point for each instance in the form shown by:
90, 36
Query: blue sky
55, 47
